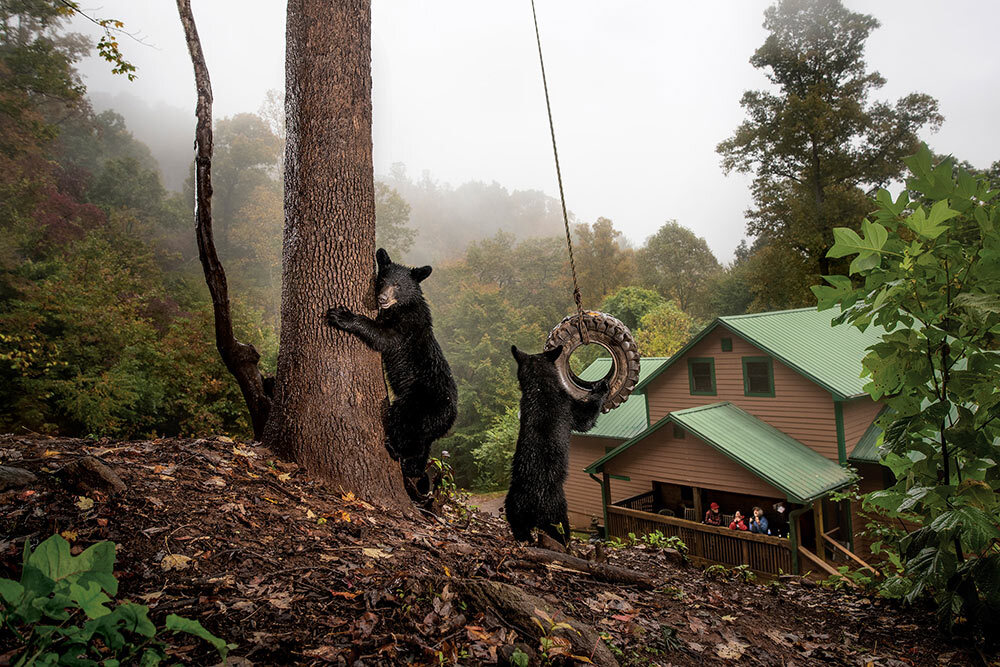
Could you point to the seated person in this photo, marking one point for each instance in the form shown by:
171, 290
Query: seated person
713, 517
737, 522
758, 522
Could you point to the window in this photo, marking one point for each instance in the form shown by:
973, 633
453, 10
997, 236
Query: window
678, 432
701, 376
727, 344
758, 376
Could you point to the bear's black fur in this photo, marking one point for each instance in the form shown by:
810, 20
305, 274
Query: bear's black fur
541, 460
426, 398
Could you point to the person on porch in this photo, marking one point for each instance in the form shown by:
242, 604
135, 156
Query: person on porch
713, 517
758, 522
737, 522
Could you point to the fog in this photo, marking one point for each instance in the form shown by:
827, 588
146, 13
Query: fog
641, 92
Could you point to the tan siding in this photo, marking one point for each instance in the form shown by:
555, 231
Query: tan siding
800, 407
583, 494
688, 461
858, 416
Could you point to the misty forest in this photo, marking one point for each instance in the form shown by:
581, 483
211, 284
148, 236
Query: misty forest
199, 463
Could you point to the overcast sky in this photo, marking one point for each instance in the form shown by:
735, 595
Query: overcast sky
642, 91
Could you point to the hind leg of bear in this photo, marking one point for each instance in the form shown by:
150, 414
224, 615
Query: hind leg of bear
414, 466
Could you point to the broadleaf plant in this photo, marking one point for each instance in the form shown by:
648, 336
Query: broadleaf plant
58, 613
927, 270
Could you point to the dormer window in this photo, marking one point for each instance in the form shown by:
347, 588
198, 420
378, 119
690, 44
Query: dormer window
758, 376
701, 376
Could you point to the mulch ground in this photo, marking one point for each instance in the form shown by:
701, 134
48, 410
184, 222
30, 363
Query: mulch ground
295, 572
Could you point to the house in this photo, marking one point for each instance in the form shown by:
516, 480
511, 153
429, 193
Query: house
756, 410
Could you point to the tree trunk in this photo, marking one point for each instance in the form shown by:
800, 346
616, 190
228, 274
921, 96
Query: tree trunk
327, 409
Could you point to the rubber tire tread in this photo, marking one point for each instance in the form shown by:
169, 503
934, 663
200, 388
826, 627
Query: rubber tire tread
608, 332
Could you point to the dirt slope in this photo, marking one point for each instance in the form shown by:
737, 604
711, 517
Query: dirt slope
296, 573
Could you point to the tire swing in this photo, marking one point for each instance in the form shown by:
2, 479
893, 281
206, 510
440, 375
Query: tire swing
588, 326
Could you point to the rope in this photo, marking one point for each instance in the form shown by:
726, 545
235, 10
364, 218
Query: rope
562, 196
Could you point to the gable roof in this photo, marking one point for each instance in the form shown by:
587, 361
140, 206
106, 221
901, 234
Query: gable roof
803, 339
785, 463
630, 418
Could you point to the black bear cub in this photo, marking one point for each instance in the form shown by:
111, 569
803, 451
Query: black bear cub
426, 398
541, 460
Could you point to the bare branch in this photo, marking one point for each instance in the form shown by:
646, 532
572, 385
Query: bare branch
240, 358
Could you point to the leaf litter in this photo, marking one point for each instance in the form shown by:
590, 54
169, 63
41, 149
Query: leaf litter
304, 574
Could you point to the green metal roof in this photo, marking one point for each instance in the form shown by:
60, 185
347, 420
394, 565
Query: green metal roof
866, 451
805, 340
628, 419
785, 463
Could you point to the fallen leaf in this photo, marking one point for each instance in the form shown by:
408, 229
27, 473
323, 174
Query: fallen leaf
731, 650
281, 600
85, 503
215, 481
310, 514
69, 535
49, 453
729, 619
371, 552
175, 562
366, 624
344, 594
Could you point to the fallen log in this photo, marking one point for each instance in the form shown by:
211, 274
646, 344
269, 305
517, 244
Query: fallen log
520, 610
601, 571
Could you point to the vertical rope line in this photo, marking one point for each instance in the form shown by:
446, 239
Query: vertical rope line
562, 195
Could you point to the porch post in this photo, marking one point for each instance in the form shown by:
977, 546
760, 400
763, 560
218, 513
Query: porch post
605, 501
820, 532
699, 511
793, 535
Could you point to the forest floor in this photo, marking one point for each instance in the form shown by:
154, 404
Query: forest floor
294, 572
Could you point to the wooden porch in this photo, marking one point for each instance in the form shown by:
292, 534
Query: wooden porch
764, 554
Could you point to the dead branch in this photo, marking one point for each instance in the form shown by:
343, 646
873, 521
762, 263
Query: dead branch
600, 571
240, 358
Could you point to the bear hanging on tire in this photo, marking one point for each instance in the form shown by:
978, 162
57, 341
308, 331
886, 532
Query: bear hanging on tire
426, 399
541, 460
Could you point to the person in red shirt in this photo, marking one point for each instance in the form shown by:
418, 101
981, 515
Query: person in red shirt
737, 522
712, 516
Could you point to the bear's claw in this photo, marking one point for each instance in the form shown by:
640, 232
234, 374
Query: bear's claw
338, 316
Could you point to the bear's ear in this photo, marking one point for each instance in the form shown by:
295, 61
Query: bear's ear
420, 273
518, 355
382, 258
553, 354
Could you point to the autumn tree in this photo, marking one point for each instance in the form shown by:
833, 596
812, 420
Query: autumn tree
603, 260
817, 145
330, 393
678, 264
664, 330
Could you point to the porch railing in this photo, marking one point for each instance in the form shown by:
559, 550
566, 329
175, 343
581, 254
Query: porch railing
642, 502
762, 553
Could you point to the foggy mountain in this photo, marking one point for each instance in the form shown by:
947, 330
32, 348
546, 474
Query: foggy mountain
446, 218
167, 130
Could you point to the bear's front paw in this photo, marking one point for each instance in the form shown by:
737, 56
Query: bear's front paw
339, 317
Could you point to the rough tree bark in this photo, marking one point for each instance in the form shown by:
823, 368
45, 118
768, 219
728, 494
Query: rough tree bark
240, 358
329, 394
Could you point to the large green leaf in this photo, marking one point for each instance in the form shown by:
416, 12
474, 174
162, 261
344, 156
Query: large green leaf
192, 627
90, 598
11, 592
848, 242
931, 225
53, 559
